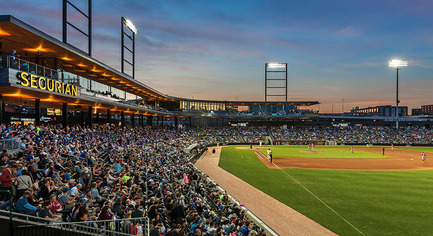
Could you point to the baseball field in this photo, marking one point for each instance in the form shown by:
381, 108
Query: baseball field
359, 193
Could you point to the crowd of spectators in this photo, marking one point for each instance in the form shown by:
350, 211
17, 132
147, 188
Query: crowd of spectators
105, 173
356, 134
79, 174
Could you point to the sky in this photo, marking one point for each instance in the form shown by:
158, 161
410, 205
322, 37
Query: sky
337, 51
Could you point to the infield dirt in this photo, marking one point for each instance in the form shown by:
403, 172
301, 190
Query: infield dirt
399, 159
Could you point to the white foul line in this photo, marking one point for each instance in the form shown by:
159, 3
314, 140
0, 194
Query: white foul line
261, 155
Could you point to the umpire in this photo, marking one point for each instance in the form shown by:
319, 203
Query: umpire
270, 156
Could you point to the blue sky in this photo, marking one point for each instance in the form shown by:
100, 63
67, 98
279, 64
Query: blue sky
335, 50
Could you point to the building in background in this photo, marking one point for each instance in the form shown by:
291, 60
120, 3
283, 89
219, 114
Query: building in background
386, 111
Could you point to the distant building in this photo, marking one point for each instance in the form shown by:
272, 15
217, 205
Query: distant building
427, 109
387, 111
417, 111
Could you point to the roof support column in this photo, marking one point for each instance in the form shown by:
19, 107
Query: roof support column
108, 116
90, 116
149, 120
65, 115
37, 112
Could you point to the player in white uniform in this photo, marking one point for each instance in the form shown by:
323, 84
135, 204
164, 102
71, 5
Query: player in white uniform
423, 156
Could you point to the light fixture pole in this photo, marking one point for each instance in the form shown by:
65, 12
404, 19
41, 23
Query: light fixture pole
397, 64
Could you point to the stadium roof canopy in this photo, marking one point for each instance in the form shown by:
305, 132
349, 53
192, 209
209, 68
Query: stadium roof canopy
18, 35
53, 53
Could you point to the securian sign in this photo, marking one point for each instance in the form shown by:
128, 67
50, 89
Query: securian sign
34, 81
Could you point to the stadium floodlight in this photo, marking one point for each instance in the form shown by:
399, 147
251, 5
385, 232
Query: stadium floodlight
396, 64
131, 26
276, 65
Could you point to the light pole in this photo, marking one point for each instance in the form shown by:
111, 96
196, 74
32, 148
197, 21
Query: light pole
397, 63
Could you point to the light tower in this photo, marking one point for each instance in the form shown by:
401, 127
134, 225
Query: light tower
397, 64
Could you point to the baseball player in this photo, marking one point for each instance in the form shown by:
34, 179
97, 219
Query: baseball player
392, 147
423, 156
312, 147
351, 149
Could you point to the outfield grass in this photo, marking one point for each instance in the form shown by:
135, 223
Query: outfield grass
375, 202
320, 152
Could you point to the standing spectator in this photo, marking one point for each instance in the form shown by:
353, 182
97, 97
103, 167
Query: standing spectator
86, 178
13, 58
24, 182
7, 178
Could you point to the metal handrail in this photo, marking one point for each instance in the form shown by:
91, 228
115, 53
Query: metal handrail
31, 68
28, 218
113, 227
11, 144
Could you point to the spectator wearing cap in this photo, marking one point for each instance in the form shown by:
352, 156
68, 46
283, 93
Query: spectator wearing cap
23, 206
67, 202
7, 177
86, 178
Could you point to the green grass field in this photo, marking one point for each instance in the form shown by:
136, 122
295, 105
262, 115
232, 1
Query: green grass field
320, 152
374, 202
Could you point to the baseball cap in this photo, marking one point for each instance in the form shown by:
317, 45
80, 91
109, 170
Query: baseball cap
84, 200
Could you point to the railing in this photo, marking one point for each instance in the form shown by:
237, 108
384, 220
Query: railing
119, 227
31, 68
10, 144
26, 218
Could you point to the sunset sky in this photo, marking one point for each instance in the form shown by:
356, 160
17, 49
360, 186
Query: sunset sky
337, 51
